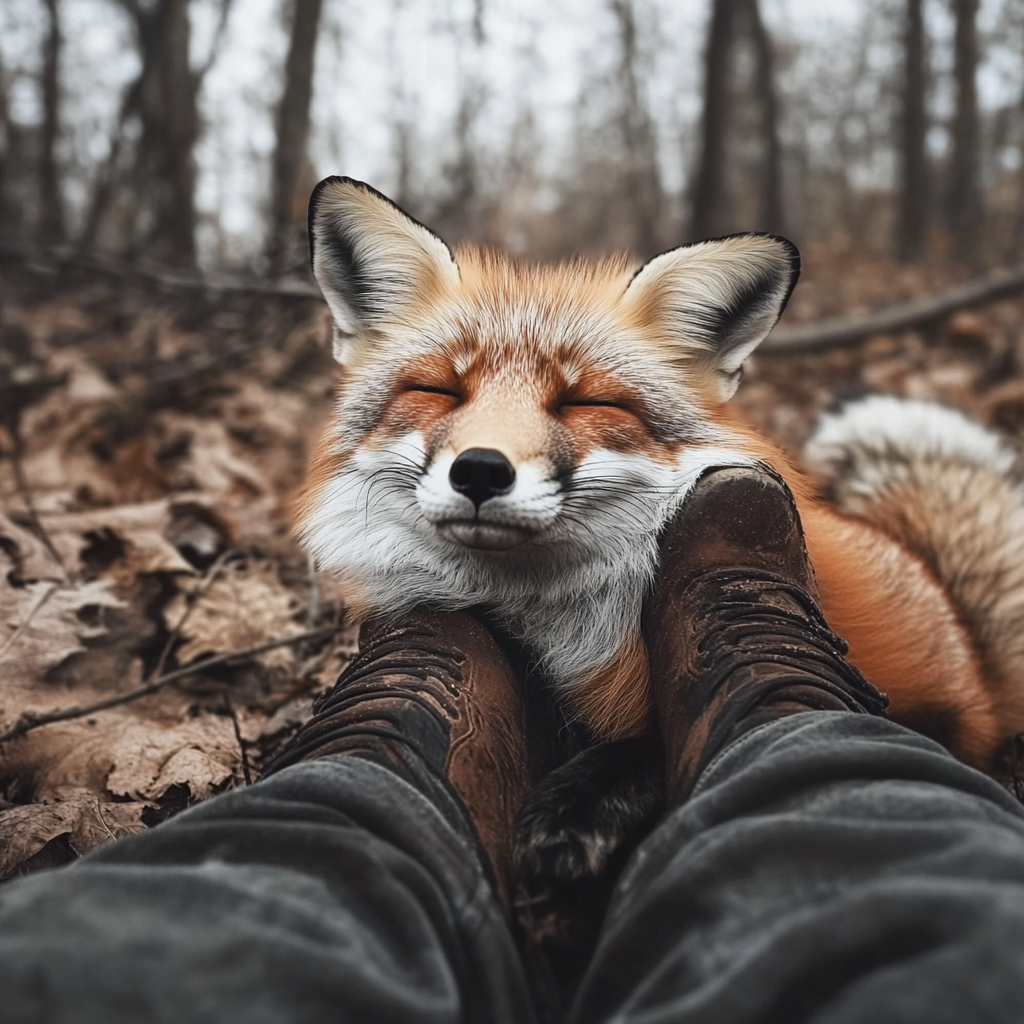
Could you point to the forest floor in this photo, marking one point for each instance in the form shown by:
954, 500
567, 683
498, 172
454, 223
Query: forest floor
151, 442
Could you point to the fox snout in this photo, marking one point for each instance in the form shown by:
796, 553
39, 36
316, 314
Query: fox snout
480, 499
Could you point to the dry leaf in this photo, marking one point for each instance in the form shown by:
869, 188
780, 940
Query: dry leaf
133, 750
244, 607
254, 726
41, 624
140, 529
213, 464
29, 556
201, 753
25, 830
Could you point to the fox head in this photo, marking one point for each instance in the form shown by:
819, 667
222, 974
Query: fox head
505, 429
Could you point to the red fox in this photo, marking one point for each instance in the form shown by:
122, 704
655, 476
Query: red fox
515, 436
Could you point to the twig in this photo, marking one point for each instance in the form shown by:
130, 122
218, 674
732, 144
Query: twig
844, 330
17, 451
193, 599
32, 720
238, 738
27, 621
103, 821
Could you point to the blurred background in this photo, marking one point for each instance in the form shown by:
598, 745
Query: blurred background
189, 132
164, 354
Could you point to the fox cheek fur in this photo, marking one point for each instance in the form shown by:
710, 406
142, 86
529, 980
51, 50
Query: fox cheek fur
516, 436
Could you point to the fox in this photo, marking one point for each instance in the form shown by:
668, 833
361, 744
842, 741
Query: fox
515, 436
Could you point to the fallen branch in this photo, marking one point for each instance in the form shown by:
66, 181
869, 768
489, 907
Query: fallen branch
33, 720
808, 337
52, 262
844, 330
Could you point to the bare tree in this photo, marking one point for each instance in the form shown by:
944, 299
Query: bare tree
641, 185
51, 215
733, 21
5, 155
912, 201
147, 188
165, 164
292, 124
708, 212
479, 29
459, 209
965, 207
772, 216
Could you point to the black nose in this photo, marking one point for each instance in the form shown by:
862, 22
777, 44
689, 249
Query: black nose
482, 473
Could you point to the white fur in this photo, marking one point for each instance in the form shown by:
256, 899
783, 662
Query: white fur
532, 504
876, 431
574, 590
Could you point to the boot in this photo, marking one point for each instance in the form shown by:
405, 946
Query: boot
733, 631
435, 701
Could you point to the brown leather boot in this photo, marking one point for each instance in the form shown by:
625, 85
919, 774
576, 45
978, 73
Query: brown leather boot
434, 700
733, 631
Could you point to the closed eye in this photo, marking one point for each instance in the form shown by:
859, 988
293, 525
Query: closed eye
431, 389
600, 403
594, 403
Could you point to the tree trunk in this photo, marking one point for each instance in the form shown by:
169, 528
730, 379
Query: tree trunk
642, 183
106, 179
708, 213
173, 133
51, 215
6, 218
292, 123
912, 219
965, 204
479, 31
772, 215
153, 205
143, 199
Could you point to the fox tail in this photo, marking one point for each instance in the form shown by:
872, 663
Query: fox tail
952, 493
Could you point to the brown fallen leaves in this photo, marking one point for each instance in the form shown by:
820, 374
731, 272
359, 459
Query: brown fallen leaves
159, 441
144, 533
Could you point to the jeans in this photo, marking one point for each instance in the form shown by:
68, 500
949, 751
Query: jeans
830, 868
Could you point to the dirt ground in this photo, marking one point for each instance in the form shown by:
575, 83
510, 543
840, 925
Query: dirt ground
151, 441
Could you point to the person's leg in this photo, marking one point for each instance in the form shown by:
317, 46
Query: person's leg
350, 885
820, 863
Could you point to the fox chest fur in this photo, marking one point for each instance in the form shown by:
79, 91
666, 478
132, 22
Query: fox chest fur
516, 436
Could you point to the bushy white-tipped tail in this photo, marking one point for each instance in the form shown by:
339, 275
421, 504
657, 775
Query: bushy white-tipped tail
951, 492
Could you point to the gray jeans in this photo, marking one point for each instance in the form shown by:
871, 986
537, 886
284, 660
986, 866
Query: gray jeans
830, 868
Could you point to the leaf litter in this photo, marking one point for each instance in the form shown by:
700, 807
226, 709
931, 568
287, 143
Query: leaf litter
162, 439
148, 538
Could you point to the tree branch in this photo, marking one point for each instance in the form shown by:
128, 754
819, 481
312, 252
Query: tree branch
52, 262
807, 337
845, 330
31, 720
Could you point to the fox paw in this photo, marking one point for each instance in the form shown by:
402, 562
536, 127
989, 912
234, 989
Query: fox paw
576, 830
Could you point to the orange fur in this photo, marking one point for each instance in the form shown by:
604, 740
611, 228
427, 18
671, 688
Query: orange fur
516, 395
614, 701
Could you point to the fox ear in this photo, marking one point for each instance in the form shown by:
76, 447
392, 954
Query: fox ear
717, 300
373, 262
